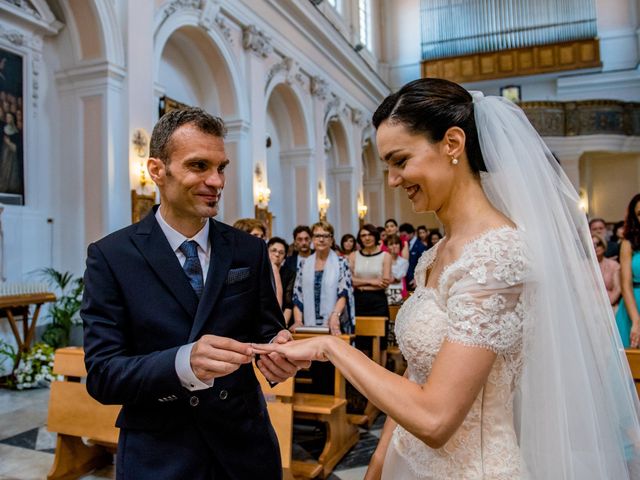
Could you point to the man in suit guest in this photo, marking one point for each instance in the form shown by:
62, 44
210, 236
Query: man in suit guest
416, 247
170, 307
301, 248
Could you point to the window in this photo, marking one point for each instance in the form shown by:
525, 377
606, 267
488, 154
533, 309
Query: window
333, 3
364, 21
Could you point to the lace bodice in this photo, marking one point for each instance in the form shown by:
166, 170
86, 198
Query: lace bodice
477, 302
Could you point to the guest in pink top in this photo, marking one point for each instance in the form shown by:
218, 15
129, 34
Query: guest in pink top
610, 269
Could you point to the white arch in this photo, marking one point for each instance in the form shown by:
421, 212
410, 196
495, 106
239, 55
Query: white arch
165, 27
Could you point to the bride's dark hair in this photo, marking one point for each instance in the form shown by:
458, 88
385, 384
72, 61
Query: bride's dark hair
430, 106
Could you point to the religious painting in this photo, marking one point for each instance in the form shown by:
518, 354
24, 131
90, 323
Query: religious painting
11, 129
168, 104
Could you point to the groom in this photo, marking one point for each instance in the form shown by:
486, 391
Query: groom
170, 307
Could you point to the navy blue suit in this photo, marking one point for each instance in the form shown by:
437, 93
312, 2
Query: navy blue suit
415, 252
138, 309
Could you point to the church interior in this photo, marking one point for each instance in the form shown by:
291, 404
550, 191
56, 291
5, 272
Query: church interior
83, 82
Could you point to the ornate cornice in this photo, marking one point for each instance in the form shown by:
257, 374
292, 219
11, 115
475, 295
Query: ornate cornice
13, 36
589, 117
319, 87
177, 5
256, 41
291, 69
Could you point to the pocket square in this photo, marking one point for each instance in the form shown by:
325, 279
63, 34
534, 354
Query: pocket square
236, 275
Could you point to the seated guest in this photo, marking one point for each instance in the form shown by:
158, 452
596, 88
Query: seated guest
284, 278
396, 291
323, 291
347, 245
301, 248
252, 226
610, 269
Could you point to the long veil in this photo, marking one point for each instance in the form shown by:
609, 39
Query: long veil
576, 406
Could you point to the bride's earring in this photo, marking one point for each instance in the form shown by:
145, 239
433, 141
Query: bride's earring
454, 161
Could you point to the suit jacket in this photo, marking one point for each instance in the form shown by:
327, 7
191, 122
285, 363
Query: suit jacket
138, 309
415, 252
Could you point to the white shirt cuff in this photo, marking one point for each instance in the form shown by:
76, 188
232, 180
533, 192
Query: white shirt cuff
187, 378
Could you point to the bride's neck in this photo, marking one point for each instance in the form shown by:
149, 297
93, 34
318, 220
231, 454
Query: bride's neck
467, 210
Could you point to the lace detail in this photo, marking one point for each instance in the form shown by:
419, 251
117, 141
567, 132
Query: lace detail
477, 302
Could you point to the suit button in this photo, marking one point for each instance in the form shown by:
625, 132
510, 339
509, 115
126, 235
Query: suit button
223, 394
194, 401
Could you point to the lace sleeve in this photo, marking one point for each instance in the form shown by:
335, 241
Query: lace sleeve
484, 298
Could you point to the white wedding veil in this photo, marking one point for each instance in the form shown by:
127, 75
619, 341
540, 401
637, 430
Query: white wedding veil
576, 406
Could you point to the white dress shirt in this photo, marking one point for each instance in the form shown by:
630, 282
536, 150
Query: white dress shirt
187, 378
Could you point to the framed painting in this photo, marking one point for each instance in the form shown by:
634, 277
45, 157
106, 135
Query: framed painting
11, 129
168, 104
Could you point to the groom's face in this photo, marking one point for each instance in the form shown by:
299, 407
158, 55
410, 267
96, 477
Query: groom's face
192, 179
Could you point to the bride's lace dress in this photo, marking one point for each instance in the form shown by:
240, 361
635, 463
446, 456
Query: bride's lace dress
477, 302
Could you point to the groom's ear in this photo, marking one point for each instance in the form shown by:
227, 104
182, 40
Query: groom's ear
454, 141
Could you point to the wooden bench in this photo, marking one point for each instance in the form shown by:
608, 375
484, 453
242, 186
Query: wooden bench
331, 410
393, 352
633, 356
74, 415
280, 407
373, 327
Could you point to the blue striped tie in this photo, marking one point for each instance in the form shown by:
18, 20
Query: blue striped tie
192, 266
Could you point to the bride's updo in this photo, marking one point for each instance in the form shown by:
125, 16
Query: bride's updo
430, 106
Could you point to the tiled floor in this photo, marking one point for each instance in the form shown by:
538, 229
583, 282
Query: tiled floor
26, 447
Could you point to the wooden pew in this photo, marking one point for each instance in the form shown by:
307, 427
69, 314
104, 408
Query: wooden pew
393, 352
633, 356
280, 407
373, 327
73, 414
332, 411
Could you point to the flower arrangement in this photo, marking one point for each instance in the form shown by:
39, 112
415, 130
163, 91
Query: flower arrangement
35, 368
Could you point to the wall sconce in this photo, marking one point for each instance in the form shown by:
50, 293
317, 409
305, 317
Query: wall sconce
323, 206
140, 142
583, 203
362, 211
263, 197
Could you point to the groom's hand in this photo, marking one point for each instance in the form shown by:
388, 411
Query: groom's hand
277, 368
213, 357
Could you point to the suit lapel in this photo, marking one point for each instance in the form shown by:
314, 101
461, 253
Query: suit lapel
219, 263
155, 248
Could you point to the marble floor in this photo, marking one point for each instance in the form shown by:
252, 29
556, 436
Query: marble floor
26, 447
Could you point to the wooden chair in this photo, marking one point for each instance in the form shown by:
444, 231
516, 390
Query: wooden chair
633, 356
373, 327
73, 414
279, 404
393, 352
332, 411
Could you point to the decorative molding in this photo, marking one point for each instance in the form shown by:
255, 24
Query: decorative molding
13, 36
590, 117
211, 16
319, 87
256, 41
333, 104
291, 69
515, 62
25, 6
176, 5
357, 117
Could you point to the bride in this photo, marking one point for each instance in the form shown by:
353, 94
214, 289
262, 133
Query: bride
514, 367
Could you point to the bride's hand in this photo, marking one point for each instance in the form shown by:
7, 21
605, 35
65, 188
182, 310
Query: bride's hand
310, 349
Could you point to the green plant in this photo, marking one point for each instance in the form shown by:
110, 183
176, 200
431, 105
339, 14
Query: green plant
35, 367
63, 311
7, 352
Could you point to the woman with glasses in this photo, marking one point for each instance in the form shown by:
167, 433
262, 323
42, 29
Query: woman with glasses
323, 291
284, 278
